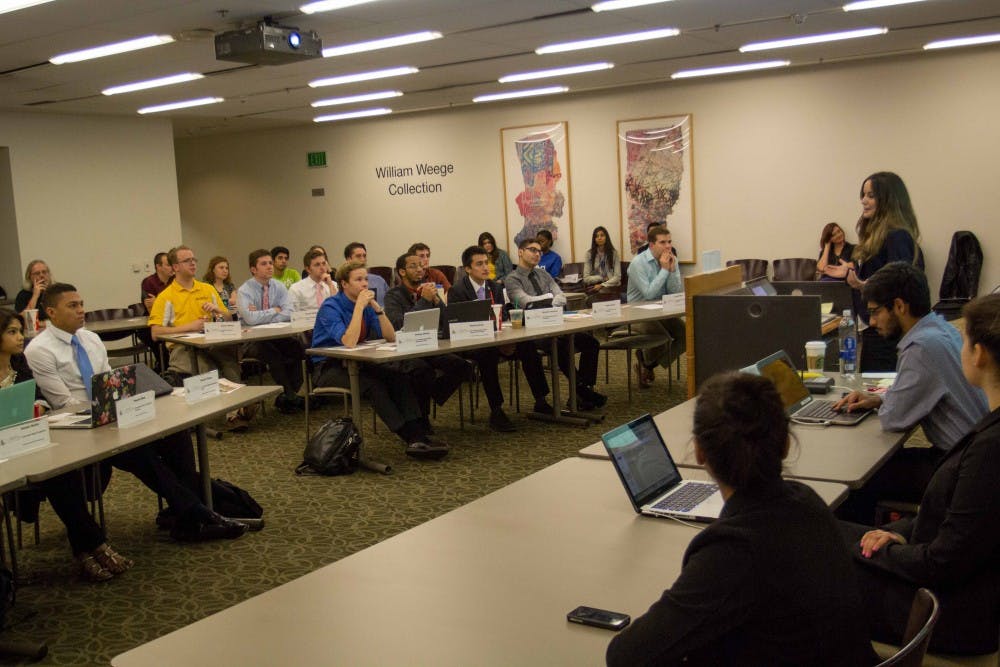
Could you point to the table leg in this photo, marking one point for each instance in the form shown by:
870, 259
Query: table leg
353, 371
201, 436
558, 415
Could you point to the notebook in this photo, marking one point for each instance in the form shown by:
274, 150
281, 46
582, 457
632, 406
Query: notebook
106, 389
651, 479
421, 320
799, 403
17, 403
464, 311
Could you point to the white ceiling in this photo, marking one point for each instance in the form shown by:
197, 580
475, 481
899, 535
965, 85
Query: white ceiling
483, 40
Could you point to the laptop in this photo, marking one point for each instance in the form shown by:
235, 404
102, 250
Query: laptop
106, 389
464, 311
17, 403
651, 479
799, 403
761, 287
421, 320
146, 379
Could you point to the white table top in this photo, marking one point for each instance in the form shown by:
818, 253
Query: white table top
114, 326
489, 583
248, 335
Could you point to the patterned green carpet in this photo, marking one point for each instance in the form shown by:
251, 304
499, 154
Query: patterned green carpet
311, 521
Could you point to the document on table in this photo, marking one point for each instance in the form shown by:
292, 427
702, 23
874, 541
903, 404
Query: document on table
274, 325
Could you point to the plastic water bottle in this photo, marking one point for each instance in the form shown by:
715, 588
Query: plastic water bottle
848, 346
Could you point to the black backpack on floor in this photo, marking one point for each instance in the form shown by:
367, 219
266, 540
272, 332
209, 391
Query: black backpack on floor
333, 450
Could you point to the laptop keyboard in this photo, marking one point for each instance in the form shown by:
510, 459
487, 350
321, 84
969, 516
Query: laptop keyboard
686, 498
818, 410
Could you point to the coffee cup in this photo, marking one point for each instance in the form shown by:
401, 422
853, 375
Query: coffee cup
815, 354
498, 315
517, 318
31, 321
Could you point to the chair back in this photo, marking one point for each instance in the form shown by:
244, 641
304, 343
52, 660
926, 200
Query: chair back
383, 272
105, 314
568, 270
624, 275
447, 270
924, 612
795, 268
137, 310
752, 268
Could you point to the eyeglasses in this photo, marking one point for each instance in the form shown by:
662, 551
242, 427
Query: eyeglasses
872, 312
414, 266
533, 250
189, 260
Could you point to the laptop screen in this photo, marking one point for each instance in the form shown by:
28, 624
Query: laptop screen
778, 368
17, 403
642, 460
761, 287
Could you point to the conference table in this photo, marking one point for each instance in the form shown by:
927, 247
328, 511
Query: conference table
489, 583
120, 325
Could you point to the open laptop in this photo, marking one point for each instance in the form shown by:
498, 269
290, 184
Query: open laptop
761, 287
799, 403
146, 379
17, 403
421, 320
464, 311
651, 479
106, 389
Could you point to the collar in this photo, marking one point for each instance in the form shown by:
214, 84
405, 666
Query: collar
475, 285
926, 323
194, 285
523, 271
64, 336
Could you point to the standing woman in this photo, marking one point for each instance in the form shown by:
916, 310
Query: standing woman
218, 277
770, 582
499, 260
601, 269
36, 278
835, 254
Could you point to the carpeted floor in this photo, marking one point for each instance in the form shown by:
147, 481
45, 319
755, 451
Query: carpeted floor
311, 521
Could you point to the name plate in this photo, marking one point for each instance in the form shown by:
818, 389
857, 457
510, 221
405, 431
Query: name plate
199, 387
220, 330
544, 317
673, 301
607, 309
408, 341
304, 318
136, 410
471, 330
24, 437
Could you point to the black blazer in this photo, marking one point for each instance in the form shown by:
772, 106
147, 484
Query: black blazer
463, 290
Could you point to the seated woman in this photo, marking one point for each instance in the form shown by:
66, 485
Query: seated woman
36, 278
835, 254
952, 545
96, 559
601, 268
499, 260
769, 582
218, 277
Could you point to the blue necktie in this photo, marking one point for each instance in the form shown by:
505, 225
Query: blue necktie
83, 362
481, 293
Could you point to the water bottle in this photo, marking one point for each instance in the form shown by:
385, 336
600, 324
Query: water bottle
848, 346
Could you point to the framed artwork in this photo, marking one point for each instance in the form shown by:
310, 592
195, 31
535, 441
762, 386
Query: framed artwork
536, 185
656, 182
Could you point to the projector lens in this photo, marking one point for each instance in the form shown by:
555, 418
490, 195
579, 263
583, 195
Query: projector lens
294, 40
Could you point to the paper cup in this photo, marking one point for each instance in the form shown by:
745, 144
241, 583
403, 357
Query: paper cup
815, 354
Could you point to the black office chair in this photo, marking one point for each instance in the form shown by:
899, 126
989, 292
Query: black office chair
794, 268
752, 268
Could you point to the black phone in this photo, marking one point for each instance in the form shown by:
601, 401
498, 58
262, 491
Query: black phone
599, 618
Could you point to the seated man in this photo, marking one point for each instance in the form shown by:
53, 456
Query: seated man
283, 273
653, 273
431, 275
356, 252
528, 283
350, 317
263, 300
149, 289
310, 292
63, 359
550, 260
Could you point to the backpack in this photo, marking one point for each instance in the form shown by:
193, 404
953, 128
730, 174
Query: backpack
230, 500
333, 450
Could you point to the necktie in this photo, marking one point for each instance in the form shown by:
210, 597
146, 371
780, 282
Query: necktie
319, 294
265, 303
83, 363
481, 293
534, 283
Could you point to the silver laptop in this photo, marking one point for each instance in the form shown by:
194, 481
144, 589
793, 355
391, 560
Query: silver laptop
799, 403
17, 403
651, 479
421, 320
761, 287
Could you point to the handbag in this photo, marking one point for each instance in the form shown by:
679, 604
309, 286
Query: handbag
333, 450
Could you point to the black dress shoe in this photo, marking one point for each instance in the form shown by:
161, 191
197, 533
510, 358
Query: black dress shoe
500, 422
591, 396
253, 525
581, 404
543, 407
214, 527
425, 450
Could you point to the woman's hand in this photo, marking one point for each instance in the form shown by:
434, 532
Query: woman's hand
874, 540
852, 279
839, 271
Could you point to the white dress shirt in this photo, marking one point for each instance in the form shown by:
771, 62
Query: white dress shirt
302, 295
53, 363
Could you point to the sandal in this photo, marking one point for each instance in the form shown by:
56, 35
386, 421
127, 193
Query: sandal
91, 570
111, 560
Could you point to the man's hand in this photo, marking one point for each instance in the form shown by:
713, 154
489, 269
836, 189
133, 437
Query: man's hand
858, 400
667, 261
148, 301
428, 292
364, 299
39, 286
210, 307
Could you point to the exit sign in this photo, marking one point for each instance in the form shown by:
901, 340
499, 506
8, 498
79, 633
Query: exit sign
317, 159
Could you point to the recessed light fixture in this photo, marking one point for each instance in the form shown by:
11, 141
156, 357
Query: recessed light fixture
729, 69
383, 43
14, 5
152, 83
362, 76
366, 97
558, 71
608, 41
352, 114
610, 5
330, 5
111, 49
963, 41
813, 39
875, 4
201, 101
551, 90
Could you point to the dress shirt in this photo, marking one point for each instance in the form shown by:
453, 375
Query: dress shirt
52, 361
379, 286
648, 281
521, 291
251, 293
930, 388
333, 319
551, 262
302, 295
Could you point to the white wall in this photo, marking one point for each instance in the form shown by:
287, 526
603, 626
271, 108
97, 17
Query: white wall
92, 196
776, 156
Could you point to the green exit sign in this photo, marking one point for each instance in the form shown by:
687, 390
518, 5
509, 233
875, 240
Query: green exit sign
317, 159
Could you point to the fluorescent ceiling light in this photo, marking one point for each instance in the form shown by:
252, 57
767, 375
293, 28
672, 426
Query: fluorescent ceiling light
14, 5
963, 41
610, 5
362, 76
367, 97
608, 41
558, 71
352, 114
728, 69
329, 5
520, 93
111, 49
152, 83
813, 39
182, 105
383, 43
875, 4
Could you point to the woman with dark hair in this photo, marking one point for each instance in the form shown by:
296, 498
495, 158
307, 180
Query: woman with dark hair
601, 268
95, 557
769, 582
217, 276
500, 264
952, 545
835, 253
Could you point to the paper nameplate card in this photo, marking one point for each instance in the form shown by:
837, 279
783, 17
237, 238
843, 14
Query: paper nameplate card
471, 330
136, 410
711, 260
24, 437
304, 318
217, 330
407, 341
673, 301
199, 387
544, 317
607, 309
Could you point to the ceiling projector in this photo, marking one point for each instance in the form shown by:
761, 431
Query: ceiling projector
268, 44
